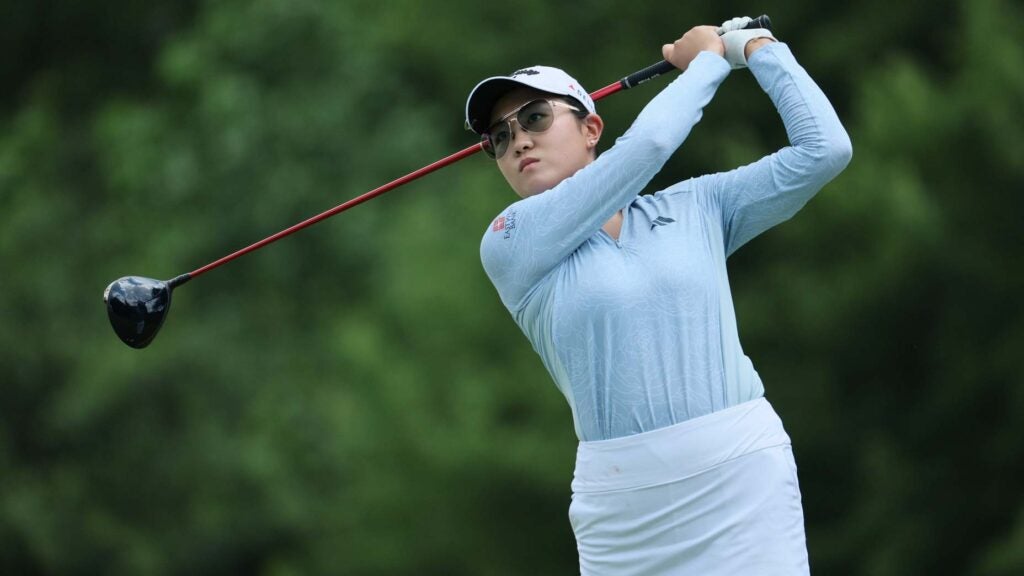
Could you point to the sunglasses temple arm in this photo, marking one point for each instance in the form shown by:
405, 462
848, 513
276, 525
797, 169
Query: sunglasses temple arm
654, 70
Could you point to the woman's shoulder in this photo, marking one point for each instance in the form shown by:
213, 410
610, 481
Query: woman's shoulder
680, 191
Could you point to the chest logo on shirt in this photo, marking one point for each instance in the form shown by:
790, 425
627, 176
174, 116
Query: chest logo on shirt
661, 221
506, 223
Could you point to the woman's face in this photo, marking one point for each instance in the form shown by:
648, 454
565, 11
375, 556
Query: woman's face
537, 161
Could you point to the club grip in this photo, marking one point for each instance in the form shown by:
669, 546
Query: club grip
655, 70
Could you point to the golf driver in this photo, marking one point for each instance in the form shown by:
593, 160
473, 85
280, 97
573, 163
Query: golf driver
138, 306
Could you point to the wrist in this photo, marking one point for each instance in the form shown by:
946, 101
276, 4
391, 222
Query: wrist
755, 45
740, 44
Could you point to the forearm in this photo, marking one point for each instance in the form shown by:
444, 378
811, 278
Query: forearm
819, 143
756, 197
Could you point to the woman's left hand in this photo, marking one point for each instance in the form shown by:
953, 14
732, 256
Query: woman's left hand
697, 39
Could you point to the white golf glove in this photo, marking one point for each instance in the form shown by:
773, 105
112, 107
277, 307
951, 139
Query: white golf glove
735, 39
735, 24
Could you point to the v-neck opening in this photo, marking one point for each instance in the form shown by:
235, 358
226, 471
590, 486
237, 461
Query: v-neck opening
622, 227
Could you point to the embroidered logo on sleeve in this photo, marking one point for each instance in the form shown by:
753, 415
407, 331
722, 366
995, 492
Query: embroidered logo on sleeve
506, 223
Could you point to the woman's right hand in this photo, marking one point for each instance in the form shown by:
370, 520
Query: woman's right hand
683, 51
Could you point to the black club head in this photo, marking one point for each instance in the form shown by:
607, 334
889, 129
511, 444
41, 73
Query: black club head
137, 307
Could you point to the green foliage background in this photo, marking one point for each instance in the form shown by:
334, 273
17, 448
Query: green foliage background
355, 400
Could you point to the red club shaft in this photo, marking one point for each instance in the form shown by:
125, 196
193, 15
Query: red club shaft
606, 91
342, 207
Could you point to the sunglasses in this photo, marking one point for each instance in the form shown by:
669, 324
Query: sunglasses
534, 116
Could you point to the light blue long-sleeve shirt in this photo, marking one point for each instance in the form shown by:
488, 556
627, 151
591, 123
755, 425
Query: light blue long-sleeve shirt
640, 333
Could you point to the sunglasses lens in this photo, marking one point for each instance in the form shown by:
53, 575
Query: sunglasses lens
498, 139
535, 116
485, 142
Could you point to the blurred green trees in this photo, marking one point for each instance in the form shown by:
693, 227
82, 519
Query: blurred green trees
355, 400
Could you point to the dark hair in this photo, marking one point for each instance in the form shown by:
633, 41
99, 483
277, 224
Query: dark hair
581, 111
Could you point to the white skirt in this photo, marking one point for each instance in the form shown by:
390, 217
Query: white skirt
715, 495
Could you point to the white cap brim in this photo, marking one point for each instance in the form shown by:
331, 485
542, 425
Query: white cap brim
544, 78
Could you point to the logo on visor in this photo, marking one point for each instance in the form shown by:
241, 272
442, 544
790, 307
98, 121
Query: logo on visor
525, 72
578, 91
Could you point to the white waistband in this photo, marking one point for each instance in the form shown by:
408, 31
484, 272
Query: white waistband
678, 451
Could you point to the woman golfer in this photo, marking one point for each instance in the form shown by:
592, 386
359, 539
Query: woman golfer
683, 467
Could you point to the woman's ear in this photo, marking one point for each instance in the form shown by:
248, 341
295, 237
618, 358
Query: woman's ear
593, 126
